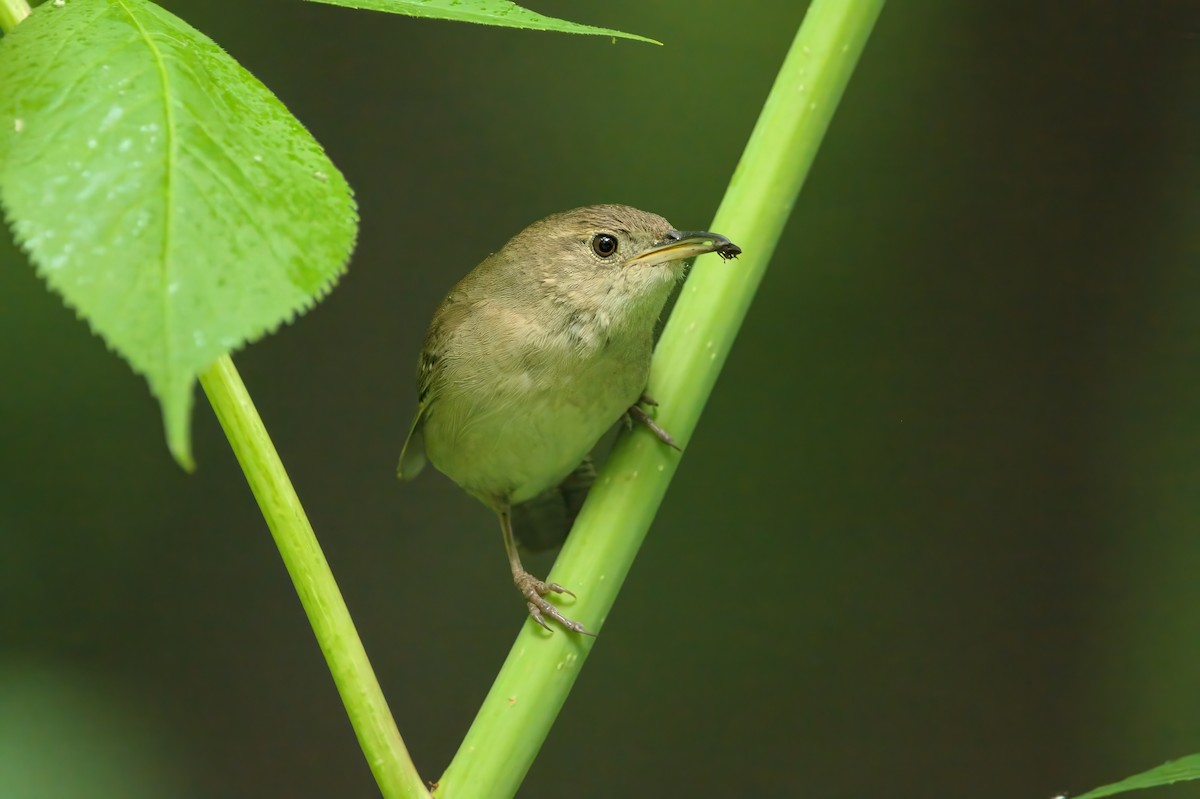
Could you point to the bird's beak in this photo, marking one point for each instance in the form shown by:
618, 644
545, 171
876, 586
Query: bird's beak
677, 245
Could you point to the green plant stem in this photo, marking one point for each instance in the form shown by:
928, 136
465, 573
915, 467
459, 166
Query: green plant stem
12, 12
318, 592
534, 682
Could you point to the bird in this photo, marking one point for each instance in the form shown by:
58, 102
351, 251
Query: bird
534, 355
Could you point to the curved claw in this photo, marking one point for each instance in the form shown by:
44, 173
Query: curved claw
533, 589
535, 592
537, 615
557, 615
662, 435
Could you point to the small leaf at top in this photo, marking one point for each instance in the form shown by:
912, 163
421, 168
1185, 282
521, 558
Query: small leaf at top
1169, 773
503, 13
162, 190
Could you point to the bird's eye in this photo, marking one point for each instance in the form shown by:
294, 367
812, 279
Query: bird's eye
604, 244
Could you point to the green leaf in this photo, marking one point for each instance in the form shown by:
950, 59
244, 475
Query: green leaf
1185, 768
502, 13
165, 193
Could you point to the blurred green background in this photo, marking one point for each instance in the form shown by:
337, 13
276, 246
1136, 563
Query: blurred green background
935, 536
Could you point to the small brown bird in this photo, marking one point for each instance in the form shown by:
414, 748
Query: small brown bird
534, 356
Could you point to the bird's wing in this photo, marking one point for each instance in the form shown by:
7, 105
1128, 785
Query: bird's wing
437, 340
412, 455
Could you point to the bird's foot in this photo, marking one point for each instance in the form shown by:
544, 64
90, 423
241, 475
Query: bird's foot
636, 412
534, 591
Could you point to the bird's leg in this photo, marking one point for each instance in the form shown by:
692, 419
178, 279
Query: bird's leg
533, 589
636, 412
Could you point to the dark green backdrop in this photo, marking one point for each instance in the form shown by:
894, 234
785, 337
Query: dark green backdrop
935, 536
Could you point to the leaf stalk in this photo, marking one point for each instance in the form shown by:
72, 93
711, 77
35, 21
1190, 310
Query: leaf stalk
322, 601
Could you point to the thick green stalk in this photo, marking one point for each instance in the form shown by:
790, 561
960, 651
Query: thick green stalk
319, 594
534, 682
12, 12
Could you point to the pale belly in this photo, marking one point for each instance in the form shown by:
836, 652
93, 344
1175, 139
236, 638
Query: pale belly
533, 427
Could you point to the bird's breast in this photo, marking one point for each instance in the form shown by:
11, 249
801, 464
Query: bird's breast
508, 423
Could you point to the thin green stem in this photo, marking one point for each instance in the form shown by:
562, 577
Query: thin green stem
12, 12
319, 595
318, 592
534, 682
